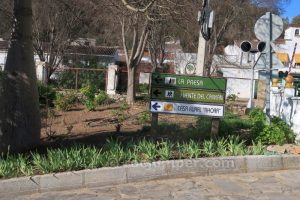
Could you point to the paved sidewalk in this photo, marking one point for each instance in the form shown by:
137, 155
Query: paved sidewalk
276, 185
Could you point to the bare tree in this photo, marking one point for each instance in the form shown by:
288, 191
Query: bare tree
57, 23
140, 22
19, 108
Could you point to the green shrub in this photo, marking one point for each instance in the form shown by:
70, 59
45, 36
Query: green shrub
13, 166
90, 104
89, 91
143, 88
66, 101
94, 97
120, 115
115, 153
203, 126
231, 124
124, 105
47, 94
102, 98
209, 148
278, 132
236, 146
144, 118
285, 129
146, 150
66, 79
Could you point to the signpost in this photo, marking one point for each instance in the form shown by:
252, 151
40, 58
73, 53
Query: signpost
268, 28
186, 95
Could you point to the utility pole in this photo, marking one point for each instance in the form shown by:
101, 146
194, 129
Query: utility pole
268, 66
205, 19
201, 55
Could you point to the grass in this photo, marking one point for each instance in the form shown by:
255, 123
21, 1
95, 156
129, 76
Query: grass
115, 153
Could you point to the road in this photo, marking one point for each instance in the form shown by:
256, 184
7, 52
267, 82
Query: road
277, 185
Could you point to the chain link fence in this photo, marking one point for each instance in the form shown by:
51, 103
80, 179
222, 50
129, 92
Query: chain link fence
75, 78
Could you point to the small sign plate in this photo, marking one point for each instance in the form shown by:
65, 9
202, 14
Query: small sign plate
192, 82
187, 109
188, 95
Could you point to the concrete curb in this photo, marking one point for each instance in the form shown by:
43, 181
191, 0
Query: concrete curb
148, 171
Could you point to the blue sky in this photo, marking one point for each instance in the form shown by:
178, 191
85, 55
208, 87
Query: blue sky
292, 9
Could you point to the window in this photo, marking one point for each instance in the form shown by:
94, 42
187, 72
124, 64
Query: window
297, 32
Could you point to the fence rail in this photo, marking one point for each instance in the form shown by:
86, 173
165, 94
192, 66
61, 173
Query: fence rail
75, 78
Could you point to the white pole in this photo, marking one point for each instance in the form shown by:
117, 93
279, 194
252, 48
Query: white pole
268, 67
252, 78
201, 55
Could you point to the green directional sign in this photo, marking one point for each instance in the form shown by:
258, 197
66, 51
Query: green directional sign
187, 95
193, 82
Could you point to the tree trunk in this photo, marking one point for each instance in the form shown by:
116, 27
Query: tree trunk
131, 85
19, 107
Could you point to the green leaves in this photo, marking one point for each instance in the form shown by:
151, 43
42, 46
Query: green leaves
278, 132
116, 153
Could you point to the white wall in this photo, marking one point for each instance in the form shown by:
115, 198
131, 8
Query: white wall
2, 59
239, 87
238, 81
39, 69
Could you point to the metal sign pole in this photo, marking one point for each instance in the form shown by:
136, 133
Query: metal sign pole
268, 66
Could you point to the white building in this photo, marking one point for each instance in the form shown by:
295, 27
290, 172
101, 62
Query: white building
236, 65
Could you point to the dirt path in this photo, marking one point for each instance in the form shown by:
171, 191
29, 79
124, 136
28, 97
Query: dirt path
80, 123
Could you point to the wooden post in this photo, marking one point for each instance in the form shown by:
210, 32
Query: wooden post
154, 123
215, 126
76, 79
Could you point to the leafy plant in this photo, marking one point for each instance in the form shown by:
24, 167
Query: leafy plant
189, 149
143, 88
257, 148
278, 132
49, 119
101, 98
92, 97
114, 152
12, 166
89, 91
164, 150
90, 105
65, 101
232, 124
146, 150
144, 118
221, 146
209, 148
235, 146
66, 79
47, 95
285, 129
121, 114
